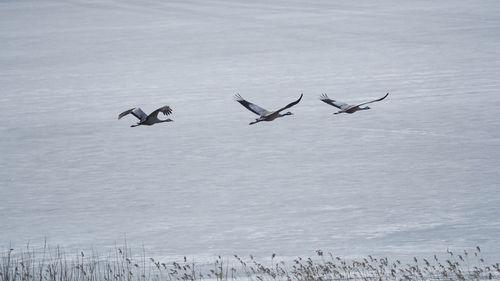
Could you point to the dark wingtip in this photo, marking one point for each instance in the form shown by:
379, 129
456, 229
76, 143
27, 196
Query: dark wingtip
237, 97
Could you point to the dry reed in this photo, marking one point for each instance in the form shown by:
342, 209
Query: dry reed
120, 265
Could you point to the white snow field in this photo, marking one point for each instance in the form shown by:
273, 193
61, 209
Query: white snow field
415, 175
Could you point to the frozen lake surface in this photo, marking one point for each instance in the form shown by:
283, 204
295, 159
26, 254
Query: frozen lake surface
415, 175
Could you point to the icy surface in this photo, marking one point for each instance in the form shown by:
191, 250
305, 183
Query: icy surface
415, 175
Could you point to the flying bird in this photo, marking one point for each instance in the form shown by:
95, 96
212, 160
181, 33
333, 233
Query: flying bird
348, 108
150, 119
265, 115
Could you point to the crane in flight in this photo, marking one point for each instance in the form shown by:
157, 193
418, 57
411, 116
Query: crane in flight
265, 115
348, 108
150, 119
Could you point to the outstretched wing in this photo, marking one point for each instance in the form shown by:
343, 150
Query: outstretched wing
137, 112
337, 104
250, 106
166, 110
373, 100
289, 105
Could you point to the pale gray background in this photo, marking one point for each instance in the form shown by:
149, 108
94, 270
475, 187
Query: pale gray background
415, 175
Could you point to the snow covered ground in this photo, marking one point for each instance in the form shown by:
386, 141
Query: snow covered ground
415, 175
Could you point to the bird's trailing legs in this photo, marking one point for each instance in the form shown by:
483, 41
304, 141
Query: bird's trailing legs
256, 121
